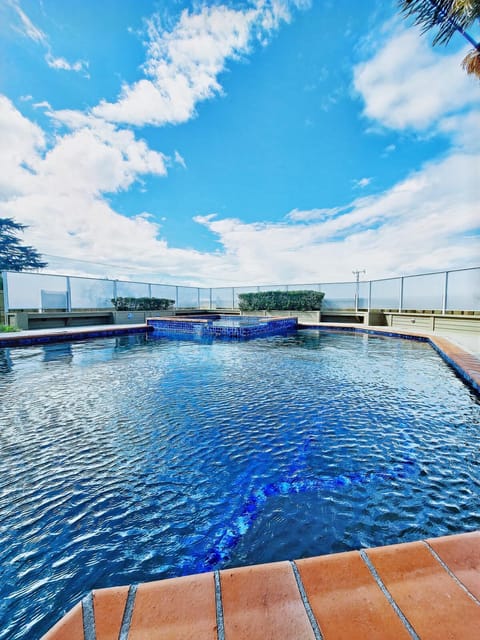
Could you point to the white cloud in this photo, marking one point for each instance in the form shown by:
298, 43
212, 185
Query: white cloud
64, 65
407, 85
362, 182
31, 31
27, 27
183, 65
19, 152
179, 160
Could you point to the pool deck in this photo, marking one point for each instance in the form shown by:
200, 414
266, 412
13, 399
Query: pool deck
427, 590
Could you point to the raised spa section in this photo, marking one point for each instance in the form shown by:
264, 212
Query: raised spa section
222, 326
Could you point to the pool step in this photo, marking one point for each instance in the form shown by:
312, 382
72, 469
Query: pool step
428, 590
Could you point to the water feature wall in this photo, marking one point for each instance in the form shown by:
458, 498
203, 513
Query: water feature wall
218, 326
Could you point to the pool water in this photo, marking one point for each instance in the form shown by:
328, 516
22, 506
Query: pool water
130, 459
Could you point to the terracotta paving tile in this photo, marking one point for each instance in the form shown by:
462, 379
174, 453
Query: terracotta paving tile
175, 609
346, 601
108, 606
461, 554
263, 603
434, 604
70, 627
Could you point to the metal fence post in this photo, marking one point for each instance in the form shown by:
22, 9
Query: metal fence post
369, 303
176, 297
149, 290
69, 294
400, 301
5, 294
210, 298
114, 289
445, 294
233, 297
198, 297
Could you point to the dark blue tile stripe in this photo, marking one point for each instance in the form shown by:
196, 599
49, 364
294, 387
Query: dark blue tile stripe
88, 616
313, 621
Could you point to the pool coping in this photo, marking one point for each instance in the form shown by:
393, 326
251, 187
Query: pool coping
425, 590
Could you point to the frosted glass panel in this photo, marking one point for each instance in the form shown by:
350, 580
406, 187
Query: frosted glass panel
204, 298
222, 298
164, 291
187, 298
464, 290
88, 293
340, 295
132, 290
386, 294
239, 290
423, 292
25, 289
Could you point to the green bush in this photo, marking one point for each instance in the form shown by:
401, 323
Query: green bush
4, 328
283, 300
142, 304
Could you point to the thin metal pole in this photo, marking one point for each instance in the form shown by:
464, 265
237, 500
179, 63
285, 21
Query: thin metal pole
69, 295
176, 297
445, 294
210, 298
198, 297
400, 300
233, 297
369, 295
5, 294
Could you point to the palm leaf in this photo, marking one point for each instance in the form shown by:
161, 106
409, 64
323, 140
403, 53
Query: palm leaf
444, 15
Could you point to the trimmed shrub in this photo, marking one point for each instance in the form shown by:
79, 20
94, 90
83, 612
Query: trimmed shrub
142, 304
282, 300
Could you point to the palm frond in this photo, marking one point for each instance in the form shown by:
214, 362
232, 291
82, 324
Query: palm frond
443, 15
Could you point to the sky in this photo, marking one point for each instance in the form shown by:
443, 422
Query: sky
254, 142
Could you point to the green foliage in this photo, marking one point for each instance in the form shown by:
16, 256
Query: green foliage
4, 328
142, 304
282, 300
14, 256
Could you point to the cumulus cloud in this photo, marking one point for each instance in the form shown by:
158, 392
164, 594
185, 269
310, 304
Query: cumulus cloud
183, 65
427, 221
408, 85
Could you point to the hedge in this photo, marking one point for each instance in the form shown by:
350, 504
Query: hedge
142, 304
282, 300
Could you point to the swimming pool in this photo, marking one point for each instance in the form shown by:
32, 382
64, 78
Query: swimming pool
131, 459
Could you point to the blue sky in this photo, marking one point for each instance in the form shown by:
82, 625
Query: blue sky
237, 143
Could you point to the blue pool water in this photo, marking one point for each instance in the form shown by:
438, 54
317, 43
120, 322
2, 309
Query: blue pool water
133, 459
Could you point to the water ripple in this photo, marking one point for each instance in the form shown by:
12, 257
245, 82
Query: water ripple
126, 460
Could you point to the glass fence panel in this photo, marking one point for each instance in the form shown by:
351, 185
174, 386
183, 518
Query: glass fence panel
463, 292
423, 293
273, 287
89, 293
132, 289
204, 298
386, 294
340, 295
238, 290
363, 289
222, 298
166, 291
187, 298
303, 287
35, 291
